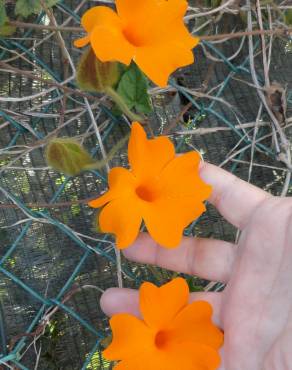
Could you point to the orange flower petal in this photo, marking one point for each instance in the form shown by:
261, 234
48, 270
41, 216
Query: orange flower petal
166, 218
102, 200
191, 356
130, 337
179, 200
136, 11
183, 356
181, 178
122, 218
152, 32
110, 44
106, 35
159, 19
163, 43
148, 157
126, 365
79, 43
121, 184
143, 18
159, 61
173, 28
140, 362
168, 25
174, 9
100, 16
182, 37
132, 9
194, 323
160, 305
120, 178
167, 339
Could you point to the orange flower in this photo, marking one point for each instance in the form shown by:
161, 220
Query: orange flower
151, 32
173, 334
162, 189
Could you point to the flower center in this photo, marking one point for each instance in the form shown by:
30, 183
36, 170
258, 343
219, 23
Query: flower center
132, 37
146, 193
161, 339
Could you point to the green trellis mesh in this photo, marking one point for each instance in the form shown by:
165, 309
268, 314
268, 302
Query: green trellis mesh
53, 264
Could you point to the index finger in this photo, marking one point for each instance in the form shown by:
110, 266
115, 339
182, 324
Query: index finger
234, 198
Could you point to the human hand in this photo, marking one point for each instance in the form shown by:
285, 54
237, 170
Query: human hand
255, 308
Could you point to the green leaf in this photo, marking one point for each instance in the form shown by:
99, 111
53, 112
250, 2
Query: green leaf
7, 30
288, 17
132, 89
28, 7
215, 3
3, 15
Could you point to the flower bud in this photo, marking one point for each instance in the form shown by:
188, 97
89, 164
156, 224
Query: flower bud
68, 156
94, 75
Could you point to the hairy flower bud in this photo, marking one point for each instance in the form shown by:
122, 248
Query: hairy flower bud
68, 156
94, 75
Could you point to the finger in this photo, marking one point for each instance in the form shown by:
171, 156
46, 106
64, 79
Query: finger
116, 300
235, 199
208, 258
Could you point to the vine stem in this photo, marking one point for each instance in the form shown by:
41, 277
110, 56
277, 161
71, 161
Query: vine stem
122, 105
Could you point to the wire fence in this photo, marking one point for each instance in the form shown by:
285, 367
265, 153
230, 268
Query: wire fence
233, 105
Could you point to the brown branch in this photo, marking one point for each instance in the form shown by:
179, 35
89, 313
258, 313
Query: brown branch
276, 31
44, 27
39, 329
31, 76
50, 205
176, 120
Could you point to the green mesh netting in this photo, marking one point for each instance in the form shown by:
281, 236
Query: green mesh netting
53, 264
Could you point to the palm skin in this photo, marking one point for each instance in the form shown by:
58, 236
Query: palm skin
255, 308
